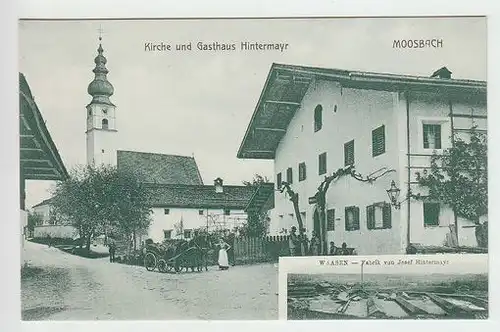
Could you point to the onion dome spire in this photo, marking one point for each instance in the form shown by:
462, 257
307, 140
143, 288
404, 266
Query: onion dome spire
100, 89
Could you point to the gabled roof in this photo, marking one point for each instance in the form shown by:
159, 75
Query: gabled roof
286, 85
39, 157
200, 197
154, 168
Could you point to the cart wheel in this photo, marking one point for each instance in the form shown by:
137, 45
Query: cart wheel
162, 266
150, 261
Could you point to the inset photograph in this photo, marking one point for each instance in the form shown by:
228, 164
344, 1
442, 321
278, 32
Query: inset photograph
385, 287
376, 296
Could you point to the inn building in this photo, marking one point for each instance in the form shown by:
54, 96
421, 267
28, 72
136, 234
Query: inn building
312, 121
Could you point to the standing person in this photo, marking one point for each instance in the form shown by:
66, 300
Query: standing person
112, 249
292, 241
315, 244
223, 260
304, 242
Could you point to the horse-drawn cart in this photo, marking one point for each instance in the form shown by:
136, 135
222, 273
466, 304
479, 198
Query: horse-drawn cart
175, 256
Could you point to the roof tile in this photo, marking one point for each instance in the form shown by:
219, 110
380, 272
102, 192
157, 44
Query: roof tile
153, 168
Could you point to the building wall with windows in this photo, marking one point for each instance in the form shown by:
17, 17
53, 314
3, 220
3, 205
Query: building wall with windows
347, 115
431, 221
350, 119
166, 221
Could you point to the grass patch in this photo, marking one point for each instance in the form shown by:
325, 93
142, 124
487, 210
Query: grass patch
40, 313
30, 271
55, 241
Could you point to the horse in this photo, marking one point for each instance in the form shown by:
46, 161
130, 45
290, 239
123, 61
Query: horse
189, 256
204, 244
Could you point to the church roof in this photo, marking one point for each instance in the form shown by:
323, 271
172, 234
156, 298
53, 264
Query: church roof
154, 168
100, 88
200, 196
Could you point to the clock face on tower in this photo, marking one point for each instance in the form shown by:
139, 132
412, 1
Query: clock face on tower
105, 111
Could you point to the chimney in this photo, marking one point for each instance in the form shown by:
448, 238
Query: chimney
218, 185
442, 73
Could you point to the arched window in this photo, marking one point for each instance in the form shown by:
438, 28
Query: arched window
318, 118
104, 123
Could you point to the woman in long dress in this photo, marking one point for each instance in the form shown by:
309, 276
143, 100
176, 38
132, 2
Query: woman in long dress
223, 260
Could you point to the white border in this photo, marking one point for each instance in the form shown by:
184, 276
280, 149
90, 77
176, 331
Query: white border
9, 311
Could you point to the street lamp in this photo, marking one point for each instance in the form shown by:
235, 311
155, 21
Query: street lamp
393, 193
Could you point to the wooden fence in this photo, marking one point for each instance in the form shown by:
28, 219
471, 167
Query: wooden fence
259, 249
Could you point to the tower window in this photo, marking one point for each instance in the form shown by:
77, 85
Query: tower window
102, 150
104, 123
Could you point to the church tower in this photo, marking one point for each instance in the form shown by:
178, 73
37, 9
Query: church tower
101, 118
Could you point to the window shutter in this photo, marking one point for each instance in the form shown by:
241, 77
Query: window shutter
330, 217
378, 141
370, 217
349, 153
387, 219
346, 220
425, 130
438, 136
356, 217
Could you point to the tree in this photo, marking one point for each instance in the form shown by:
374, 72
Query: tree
99, 199
320, 197
34, 219
459, 178
258, 221
257, 180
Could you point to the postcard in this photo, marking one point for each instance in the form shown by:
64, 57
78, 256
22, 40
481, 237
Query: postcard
171, 168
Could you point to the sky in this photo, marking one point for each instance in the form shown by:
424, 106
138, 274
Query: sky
200, 102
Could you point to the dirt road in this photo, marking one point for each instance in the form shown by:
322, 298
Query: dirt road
67, 287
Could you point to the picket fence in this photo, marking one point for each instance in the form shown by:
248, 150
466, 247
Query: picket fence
249, 250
